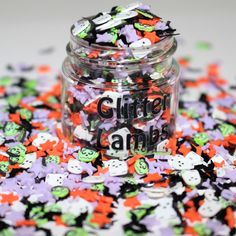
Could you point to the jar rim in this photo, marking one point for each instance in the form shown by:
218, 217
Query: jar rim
154, 53
98, 46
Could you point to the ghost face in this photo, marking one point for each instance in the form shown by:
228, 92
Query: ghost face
209, 208
140, 43
43, 138
136, 46
116, 167
110, 24
55, 179
74, 167
80, 26
29, 160
121, 154
82, 133
195, 158
75, 206
126, 15
165, 210
180, 162
191, 177
2, 139
161, 147
102, 19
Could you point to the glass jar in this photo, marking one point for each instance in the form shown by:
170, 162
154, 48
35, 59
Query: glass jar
122, 101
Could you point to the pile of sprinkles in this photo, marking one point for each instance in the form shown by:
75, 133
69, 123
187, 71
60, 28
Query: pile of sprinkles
49, 186
131, 26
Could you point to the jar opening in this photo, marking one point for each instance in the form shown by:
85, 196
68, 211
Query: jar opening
116, 57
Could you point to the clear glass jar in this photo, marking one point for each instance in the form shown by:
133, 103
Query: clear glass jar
123, 101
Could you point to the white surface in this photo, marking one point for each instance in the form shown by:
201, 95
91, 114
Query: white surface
28, 26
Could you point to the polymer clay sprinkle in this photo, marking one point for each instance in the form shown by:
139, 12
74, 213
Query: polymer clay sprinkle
50, 186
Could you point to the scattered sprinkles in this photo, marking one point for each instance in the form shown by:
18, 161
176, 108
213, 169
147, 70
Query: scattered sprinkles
49, 186
186, 187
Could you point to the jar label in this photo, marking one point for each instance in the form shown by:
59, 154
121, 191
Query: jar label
127, 110
121, 123
137, 114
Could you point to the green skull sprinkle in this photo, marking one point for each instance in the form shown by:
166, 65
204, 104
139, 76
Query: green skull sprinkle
17, 154
141, 167
69, 219
77, 232
84, 33
4, 167
202, 230
52, 99
5, 81
130, 180
146, 28
98, 187
192, 113
226, 129
11, 129
140, 212
140, 150
87, 154
130, 232
131, 193
6, 232
51, 159
201, 138
60, 191
25, 114
14, 100
37, 212
30, 84
52, 208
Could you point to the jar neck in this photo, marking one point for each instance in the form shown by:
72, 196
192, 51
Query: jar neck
88, 63
79, 51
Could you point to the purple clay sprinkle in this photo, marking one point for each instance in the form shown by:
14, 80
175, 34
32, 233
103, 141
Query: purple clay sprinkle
104, 38
130, 33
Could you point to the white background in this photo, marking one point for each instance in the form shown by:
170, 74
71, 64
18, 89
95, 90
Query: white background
26, 26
